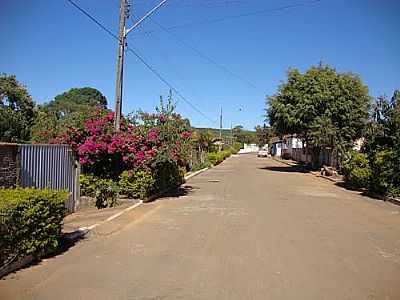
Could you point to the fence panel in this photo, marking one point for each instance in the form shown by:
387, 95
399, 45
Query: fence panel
50, 166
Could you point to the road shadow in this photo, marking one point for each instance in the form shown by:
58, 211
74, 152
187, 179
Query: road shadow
173, 194
67, 241
287, 169
362, 191
348, 187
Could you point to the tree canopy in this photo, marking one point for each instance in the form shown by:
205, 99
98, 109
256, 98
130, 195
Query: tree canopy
244, 136
75, 100
324, 107
69, 109
263, 134
16, 110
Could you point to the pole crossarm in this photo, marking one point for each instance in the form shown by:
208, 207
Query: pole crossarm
148, 14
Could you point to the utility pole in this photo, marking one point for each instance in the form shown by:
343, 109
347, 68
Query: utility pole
220, 130
120, 64
123, 32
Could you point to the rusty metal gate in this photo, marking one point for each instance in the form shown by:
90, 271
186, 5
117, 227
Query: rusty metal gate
50, 166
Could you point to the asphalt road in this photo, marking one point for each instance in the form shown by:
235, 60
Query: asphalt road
250, 228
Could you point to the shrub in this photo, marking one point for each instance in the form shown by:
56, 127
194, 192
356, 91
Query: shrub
167, 175
88, 185
225, 154
236, 147
30, 223
216, 158
201, 165
106, 193
212, 158
386, 178
357, 171
137, 184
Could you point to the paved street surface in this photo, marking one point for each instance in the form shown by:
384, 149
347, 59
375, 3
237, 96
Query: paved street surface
250, 228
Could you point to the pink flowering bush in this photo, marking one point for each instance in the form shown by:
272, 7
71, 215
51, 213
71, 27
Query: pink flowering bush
153, 139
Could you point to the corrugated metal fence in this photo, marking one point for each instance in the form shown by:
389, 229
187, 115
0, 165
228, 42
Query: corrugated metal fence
50, 166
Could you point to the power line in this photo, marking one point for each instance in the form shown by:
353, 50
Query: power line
141, 59
225, 18
92, 18
155, 72
180, 76
205, 57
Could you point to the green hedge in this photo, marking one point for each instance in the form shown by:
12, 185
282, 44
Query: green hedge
380, 172
137, 184
385, 179
30, 223
88, 185
357, 172
215, 158
106, 193
167, 175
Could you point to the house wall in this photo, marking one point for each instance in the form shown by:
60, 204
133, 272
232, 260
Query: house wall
249, 148
9, 165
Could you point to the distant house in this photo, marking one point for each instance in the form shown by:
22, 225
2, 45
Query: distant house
249, 148
276, 147
292, 146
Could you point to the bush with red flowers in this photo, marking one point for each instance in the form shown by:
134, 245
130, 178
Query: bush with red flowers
150, 141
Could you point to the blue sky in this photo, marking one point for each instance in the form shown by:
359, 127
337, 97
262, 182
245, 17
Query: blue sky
51, 47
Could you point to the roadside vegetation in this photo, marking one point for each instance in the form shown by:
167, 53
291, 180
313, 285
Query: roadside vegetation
331, 110
377, 167
150, 154
31, 222
326, 109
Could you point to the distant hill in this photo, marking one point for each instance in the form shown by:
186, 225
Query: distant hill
226, 133
214, 131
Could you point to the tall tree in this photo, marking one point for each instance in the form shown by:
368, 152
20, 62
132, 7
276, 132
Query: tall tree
16, 110
324, 107
382, 145
76, 100
263, 134
69, 109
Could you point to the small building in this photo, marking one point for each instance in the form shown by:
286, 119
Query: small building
292, 147
249, 148
276, 147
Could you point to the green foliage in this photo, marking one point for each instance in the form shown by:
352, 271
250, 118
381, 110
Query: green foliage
236, 147
203, 140
201, 165
16, 110
88, 185
215, 158
383, 146
76, 100
386, 178
68, 110
263, 134
325, 108
167, 174
106, 193
30, 222
137, 184
357, 171
244, 136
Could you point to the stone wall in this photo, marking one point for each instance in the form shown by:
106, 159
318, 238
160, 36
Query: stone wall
9, 166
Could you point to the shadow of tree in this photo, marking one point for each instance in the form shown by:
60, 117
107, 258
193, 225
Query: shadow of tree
287, 169
362, 191
67, 241
174, 193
